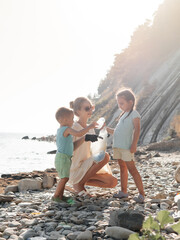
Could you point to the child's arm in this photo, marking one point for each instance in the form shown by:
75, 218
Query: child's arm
110, 130
136, 123
78, 142
78, 133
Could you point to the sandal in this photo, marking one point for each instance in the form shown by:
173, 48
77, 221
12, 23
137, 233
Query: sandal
120, 195
57, 199
139, 199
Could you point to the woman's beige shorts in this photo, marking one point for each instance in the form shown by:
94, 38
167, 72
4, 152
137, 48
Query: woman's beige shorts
123, 154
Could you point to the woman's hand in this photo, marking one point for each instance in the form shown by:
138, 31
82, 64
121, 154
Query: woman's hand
93, 125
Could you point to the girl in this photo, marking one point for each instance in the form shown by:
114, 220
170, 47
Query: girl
83, 169
125, 139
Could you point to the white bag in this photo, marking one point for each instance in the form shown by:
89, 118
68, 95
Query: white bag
98, 148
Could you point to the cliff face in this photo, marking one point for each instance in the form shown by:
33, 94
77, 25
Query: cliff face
164, 103
161, 107
150, 66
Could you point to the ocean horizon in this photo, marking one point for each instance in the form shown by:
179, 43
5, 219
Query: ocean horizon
19, 155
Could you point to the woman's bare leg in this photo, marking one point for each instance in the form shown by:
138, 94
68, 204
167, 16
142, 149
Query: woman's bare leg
102, 180
136, 176
90, 173
123, 175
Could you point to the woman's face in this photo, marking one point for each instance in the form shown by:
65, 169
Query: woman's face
86, 110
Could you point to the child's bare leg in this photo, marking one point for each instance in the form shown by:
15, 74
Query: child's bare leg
123, 175
90, 173
60, 188
136, 176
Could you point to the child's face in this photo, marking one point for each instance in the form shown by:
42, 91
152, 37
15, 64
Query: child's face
124, 105
69, 120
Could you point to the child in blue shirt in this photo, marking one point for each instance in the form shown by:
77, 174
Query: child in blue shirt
65, 147
125, 139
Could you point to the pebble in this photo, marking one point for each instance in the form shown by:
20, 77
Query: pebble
33, 216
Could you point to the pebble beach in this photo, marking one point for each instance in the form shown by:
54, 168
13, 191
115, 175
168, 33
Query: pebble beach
33, 215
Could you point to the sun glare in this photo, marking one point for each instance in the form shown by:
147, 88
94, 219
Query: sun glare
52, 52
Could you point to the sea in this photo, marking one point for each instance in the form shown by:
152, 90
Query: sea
18, 155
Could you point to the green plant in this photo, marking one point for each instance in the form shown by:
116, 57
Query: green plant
151, 229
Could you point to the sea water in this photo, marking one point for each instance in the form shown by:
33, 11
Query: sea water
19, 155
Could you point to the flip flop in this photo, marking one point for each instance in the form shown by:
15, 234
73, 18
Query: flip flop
120, 195
83, 193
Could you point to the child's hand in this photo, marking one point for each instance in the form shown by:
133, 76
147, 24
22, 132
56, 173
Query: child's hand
104, 125
133, 148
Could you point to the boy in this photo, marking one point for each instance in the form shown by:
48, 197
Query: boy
65, 147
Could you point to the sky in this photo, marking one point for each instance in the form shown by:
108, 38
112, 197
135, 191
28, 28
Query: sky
52, 51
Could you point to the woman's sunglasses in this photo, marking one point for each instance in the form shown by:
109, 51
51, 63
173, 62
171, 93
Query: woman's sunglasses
87, 109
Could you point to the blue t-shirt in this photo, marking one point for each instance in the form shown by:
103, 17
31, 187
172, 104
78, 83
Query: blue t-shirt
64, 144
123, 133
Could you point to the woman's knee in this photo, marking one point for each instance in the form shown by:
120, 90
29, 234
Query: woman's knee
113, 182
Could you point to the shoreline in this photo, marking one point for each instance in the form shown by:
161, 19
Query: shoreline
141, 156
36, 215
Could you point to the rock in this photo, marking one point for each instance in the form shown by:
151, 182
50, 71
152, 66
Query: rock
73, 236
48, 181
25, 137
177, 174
11, 188
4, 198
131, 219
28, 233
118, 232
29, 184
87, 235
52, 152
37, 238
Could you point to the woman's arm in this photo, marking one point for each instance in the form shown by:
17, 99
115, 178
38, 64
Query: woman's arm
78, 142
110, 130
137, 127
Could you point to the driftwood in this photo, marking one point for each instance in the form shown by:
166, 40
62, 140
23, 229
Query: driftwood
5, 198
165, 146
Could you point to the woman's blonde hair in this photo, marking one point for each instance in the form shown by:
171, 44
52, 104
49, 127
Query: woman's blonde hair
77, 104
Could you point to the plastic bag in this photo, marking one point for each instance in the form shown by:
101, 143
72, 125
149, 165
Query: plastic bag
98, 148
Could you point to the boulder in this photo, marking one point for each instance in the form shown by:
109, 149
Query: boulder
87, 235
29, 184
48, 181
118, 232
177, 174
131, 219
52, 152
25, 137
11, 188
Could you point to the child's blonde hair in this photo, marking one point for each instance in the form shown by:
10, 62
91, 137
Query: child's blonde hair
77, 104
62, 113
128, 95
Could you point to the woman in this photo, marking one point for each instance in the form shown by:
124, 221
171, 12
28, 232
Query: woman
83, 169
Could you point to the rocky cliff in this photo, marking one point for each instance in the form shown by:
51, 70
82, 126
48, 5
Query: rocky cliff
150, 66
